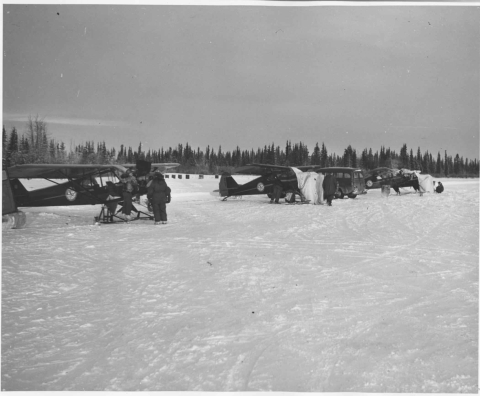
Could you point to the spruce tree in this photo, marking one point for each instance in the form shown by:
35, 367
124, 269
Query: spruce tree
446, 165
371, 160
278, 156
288, 153
364, 159
404, 156
438, 168
347, 157
456, 165
315, 159
4, 147
12, 148
323, 156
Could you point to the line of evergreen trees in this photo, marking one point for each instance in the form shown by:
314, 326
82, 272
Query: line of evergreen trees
35, 147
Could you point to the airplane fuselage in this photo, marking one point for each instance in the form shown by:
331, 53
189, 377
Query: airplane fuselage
260, 185
65, 194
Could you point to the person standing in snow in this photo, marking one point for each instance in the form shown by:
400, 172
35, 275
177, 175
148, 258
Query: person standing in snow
329, 188
158, 194
129, 188
277, 189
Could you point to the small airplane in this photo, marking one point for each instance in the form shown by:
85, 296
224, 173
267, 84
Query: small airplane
263, 184
395, 178
289, 177
82, 187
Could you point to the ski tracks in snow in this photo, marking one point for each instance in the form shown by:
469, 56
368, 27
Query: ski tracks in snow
369, 295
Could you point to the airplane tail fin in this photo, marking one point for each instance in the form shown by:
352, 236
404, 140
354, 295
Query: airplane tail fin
19, 191
227, 184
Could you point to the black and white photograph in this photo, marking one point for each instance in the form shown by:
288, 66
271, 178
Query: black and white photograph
240, 196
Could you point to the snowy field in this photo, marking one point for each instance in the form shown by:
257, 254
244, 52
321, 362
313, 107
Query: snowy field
369, 295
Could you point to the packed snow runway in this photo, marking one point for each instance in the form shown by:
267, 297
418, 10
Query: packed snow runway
369, 295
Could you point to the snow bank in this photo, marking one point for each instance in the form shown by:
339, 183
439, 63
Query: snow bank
369, 295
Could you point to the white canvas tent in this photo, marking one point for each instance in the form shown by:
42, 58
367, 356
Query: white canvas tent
425, 183
319, 187
307, 183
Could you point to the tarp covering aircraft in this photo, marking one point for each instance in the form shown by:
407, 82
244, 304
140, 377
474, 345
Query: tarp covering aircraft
88, 184
425, 183
307, 184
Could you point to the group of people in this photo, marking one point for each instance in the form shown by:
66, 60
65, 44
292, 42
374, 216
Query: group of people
158, 195
328, 186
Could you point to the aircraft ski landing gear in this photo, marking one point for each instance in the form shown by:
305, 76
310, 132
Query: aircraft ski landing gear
106, 215
109, 215
232, 197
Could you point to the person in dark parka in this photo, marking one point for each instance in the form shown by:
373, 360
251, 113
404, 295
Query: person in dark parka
277, 189
158, 193
439, 188
329, 187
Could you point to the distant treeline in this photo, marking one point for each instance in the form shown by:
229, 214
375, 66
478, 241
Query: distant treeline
35, 147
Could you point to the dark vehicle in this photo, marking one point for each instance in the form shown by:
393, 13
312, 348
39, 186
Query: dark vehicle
350, 180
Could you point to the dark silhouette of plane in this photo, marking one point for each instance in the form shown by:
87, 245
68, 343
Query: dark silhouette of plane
88, 184
263, 184
395, 178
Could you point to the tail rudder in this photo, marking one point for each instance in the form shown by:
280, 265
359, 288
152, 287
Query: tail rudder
227, 185
20, 193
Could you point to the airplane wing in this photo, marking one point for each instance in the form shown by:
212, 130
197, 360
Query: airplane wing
163, 166
305, 168
60, 171
260, 169
382, 172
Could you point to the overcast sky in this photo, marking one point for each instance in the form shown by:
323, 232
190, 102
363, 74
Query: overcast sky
246, 75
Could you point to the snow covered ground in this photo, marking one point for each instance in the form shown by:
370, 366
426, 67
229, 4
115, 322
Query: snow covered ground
369, 295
